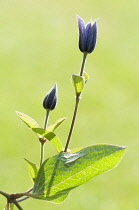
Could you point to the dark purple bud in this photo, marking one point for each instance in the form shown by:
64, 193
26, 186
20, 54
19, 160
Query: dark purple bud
87, 35
50, 99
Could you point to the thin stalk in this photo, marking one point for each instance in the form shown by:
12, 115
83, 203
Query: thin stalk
43, 142
72, 123
5, 194
29, 190
76, 105
46, 118
17, 205
7, 205
22, 199
83, 63
9, 197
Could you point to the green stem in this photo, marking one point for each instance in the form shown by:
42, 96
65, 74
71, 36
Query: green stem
42, 153
43, 142
17, 205
83, 63
72, 123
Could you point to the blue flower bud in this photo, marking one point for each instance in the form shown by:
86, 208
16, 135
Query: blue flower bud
87, 35
50, 99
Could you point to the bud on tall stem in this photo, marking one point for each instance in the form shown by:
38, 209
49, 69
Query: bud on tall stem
87, 35
87, 43
49, 103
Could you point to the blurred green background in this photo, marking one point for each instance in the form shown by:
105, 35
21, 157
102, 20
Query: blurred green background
38, 47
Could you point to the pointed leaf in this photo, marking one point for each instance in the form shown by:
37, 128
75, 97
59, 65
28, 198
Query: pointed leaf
30, 122
51, 137
63, 172
56, 124
78, 83
33, 169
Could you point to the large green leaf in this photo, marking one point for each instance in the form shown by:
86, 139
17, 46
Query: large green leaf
56, 124
30, 122
61, 173
50, 136
33, 169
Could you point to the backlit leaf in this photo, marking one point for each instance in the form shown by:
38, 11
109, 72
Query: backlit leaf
30, 122
86, 76
78, 83
33, 169
61, 173
56, 124
11, 206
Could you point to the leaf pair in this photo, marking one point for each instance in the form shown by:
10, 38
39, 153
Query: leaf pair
49, 135
79, 82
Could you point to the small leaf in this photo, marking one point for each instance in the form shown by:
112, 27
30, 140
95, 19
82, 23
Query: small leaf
78, 83
61, 173
33, 169
86, 76
50, 136
56, 124
11, 206
30, 122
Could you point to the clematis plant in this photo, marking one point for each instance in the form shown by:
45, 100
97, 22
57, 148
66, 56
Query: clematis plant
56, 176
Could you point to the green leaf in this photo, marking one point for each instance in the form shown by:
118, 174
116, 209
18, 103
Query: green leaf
78, 83
33, 169
50, 136
56, 124
86, 76
11, 206
30, 122
61, 173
